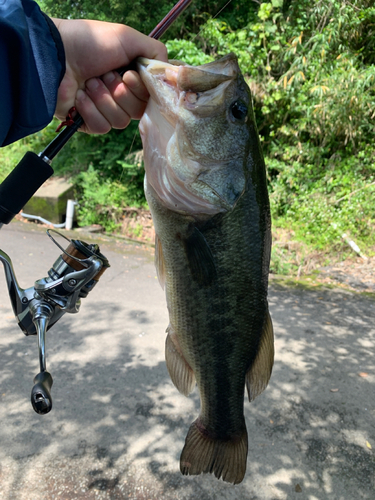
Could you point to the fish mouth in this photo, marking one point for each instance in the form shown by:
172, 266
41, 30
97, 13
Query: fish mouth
175, 86
189, 78
167, 82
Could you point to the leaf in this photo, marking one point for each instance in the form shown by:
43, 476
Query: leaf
368, 445
363, 374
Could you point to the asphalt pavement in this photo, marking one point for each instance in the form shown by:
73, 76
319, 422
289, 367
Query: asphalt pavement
118, 425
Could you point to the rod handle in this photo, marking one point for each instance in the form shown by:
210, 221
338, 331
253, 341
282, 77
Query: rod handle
21, 184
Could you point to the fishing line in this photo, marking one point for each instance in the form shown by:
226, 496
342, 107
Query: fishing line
214, 17
130, 150
226, 5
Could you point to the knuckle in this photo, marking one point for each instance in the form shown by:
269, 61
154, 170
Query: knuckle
98, 127
122, 123
105, 129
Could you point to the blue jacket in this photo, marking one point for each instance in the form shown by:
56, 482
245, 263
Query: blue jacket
32, 65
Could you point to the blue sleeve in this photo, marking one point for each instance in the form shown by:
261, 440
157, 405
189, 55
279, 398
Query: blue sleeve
32, 65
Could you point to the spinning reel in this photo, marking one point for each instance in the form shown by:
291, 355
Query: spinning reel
71, 278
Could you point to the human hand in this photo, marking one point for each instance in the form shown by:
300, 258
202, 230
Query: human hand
101, 96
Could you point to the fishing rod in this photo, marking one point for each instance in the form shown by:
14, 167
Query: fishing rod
33, 170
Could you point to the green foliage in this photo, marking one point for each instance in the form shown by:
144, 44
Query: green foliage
313, 89
144, 15
343, 198
103, 152
282, 261
102, 201
187, 51
311, 69
12, 154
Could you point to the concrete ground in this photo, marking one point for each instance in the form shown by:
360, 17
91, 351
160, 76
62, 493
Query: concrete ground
118, 424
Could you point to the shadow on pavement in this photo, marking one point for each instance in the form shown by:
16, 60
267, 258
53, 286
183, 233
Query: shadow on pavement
118, 424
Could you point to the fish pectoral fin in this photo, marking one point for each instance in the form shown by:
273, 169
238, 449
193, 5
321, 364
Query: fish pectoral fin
226, 458
201, 261
260, 372
159, 262
179, 370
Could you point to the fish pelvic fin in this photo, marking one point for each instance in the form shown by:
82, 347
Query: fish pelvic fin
179, 370
260, 371
159, 262
225, 458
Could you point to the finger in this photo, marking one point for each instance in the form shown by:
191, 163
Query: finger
119, 86
101, 96
137, 44
131, 95
95, 122
133, 81
66, 94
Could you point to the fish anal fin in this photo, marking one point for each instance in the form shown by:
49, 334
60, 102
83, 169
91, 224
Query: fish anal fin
200, 258
259, 373
225, 458
179, 370
159, 262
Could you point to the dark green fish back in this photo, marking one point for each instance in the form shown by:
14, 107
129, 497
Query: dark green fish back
216, 278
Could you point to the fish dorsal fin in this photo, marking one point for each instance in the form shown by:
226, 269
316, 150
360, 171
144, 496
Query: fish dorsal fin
159, 262
260, 372
179, 370
200, 258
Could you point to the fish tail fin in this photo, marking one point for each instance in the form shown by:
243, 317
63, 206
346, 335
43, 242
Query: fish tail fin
226, 458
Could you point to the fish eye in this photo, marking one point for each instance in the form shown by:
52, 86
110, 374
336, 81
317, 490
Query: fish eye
239, 110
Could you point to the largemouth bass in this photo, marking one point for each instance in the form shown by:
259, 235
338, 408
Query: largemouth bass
206, 187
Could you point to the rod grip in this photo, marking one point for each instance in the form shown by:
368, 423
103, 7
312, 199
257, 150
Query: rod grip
21, 184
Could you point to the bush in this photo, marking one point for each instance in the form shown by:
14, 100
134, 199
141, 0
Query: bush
103, 201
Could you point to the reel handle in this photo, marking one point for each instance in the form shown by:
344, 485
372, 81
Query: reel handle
41, 393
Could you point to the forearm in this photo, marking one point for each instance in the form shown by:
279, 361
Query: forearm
32, 66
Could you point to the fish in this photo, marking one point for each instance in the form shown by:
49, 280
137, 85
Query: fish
206, 186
